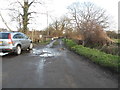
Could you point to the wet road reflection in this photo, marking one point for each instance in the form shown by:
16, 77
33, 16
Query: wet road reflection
53, 66
46, 52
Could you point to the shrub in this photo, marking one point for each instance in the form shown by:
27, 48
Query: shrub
69, 43
112, 49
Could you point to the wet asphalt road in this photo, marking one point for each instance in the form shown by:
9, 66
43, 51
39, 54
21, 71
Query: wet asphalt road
53, 67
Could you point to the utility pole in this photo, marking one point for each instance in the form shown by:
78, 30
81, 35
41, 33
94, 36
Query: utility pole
47, 24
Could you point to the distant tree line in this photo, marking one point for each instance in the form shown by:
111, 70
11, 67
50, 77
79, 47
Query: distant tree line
83, 22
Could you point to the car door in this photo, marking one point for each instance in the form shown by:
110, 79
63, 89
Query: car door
26, 41
18, 39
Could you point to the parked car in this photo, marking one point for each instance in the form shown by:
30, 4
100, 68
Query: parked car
14, 42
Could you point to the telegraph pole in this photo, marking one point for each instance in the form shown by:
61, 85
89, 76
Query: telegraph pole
47, 24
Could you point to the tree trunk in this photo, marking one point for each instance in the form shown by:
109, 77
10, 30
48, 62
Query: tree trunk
25, 17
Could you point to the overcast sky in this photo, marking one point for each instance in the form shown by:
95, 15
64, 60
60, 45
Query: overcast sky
57, 8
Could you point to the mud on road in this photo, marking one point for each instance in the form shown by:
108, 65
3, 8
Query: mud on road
53, 66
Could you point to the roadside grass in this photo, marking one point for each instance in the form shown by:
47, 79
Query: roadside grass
106, 60
56, 43
116, 40
45, 42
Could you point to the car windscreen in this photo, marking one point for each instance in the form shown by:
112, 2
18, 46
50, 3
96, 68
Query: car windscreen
4, 35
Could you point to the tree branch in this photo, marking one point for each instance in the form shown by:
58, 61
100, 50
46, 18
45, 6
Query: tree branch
31, 3
5, 22
20, 4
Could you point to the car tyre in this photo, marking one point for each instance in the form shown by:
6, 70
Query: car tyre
31, 46
18, 50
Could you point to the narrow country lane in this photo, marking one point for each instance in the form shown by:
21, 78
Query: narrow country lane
54, 66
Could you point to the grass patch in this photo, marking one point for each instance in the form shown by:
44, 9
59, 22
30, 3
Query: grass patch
45, 42
101, 58
55, 43
116, 40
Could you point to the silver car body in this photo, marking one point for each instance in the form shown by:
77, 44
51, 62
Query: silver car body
9, 42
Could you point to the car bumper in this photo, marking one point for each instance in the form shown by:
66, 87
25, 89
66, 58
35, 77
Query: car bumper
7, 49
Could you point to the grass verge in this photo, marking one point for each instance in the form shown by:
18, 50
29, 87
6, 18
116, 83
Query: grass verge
56, 43
116, 40
106, 60
45, 42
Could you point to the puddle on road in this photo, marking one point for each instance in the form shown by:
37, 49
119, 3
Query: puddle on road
44, 53
47, 51
51, 44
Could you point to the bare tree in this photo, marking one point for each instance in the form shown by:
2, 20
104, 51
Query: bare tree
58, 27
21, 12
89, 15
88, 18
54, 29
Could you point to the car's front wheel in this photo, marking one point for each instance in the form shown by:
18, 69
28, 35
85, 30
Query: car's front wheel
31, 46
18, 50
